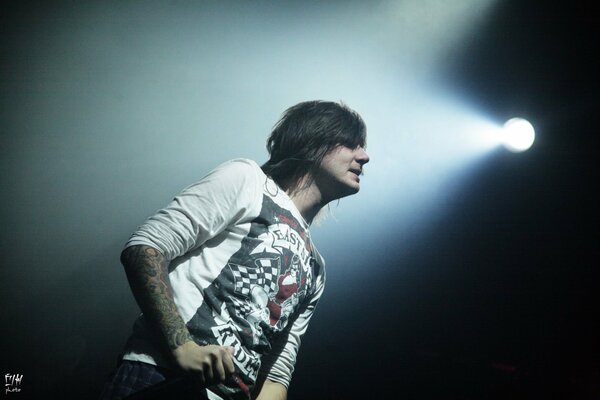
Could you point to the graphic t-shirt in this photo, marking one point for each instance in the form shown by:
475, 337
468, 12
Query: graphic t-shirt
244, 272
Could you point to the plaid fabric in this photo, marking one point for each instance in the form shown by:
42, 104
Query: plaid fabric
131, 377
144, 381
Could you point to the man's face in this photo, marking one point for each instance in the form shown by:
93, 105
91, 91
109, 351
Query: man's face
340, 171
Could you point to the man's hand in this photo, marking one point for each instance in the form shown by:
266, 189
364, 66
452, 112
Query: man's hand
212, 364
147, 271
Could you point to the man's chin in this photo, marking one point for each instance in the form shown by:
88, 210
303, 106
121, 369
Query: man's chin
343, 189
350, 190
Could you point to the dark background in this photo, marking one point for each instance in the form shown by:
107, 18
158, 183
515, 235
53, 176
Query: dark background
497, 299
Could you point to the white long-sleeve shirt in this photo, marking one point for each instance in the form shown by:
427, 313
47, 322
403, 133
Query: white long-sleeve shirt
243, 269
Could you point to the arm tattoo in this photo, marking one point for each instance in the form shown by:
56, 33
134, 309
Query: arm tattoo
147, 272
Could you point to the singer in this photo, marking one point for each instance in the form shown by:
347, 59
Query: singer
227, 276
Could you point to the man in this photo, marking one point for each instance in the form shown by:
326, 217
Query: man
226, 275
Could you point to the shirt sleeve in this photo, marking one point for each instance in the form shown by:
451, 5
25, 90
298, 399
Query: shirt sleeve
227, 195
278, 364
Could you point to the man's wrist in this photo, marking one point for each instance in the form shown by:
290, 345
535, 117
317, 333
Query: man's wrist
178, 338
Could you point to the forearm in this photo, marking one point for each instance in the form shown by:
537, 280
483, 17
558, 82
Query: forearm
272, 391
147, 272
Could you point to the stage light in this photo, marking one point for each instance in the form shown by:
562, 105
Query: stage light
518, 135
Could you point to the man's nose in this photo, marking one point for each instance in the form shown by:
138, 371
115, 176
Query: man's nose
362, 156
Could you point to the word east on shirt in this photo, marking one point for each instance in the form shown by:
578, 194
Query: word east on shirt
244, 272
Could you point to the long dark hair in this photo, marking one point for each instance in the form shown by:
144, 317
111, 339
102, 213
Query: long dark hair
305, 134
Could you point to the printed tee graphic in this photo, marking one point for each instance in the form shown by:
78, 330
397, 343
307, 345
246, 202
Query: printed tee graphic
262, 286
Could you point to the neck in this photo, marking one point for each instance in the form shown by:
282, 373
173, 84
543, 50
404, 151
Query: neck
308, 200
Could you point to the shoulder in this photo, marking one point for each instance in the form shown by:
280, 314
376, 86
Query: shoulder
239, 166
237, 183
239, 171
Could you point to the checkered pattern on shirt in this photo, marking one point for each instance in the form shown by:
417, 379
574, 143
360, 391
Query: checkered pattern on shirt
264, 275
243, 308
